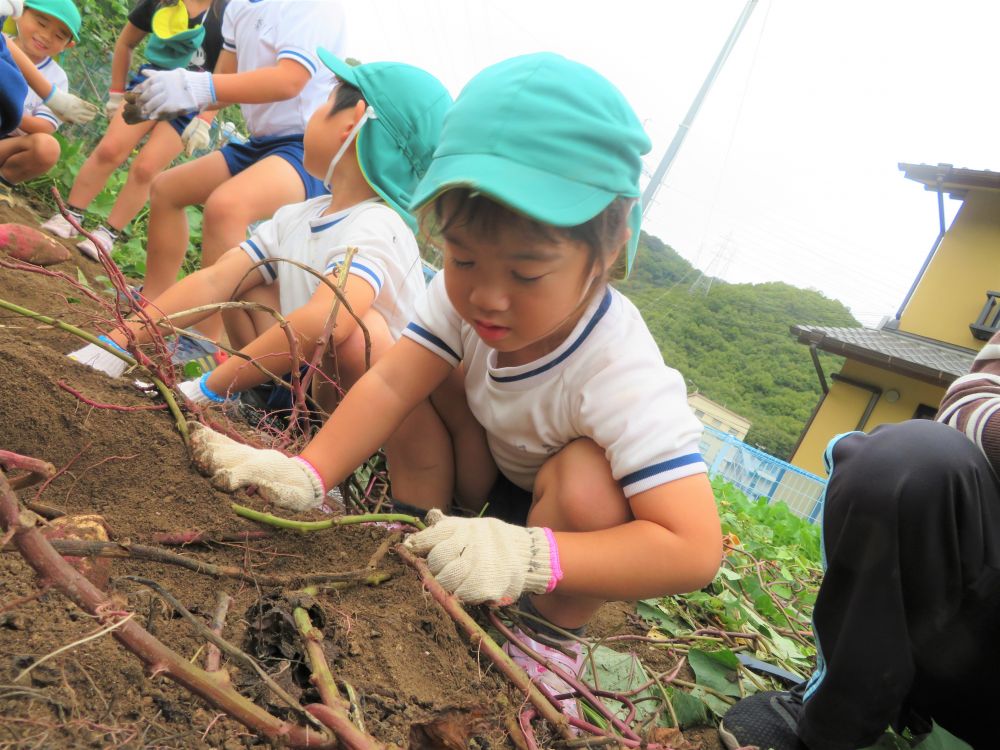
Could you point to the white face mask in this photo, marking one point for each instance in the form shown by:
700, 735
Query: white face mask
368, 115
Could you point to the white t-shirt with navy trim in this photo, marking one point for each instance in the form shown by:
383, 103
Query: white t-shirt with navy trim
387, 255
33, 105
261, 32
607, 381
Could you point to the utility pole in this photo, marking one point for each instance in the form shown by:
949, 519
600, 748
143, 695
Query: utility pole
661, 171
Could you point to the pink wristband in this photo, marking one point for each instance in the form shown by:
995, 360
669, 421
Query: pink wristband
312, 469
557, 574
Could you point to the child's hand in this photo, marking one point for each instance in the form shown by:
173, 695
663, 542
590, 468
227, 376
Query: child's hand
98, 359
165, 94
196, 136
289, 482
11, 8
68, 107
486, 560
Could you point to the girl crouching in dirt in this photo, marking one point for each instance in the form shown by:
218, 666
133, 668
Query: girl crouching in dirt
564, 422
370, 145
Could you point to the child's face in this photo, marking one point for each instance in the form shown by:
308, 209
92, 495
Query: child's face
41, 35
522, 294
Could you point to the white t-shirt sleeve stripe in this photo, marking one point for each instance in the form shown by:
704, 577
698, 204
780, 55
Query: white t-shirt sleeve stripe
256, 254
663, 472
299, 57
46, 114
427, 339
370, 275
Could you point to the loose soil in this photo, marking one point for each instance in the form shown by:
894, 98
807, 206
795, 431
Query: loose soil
403, 655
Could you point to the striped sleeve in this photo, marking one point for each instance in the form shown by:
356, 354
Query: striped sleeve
972, 403
368, 269
263, 245
436, 325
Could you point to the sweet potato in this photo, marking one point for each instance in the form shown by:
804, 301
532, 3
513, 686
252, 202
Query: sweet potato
30, 245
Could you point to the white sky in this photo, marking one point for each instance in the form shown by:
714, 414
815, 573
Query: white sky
790, 172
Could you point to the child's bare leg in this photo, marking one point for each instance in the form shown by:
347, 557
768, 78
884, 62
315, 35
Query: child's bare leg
419, 452
110, 153
575, 491
255, 193
27, 156
243, 326
475, 469
162, 147
171, 192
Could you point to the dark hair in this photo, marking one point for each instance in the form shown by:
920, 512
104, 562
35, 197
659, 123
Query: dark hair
345, 96
603, 235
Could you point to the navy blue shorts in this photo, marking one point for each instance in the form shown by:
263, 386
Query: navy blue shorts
239, 156
178, 123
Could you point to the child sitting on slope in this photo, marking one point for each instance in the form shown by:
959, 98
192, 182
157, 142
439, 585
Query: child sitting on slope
564, 422
44, 30
371, 147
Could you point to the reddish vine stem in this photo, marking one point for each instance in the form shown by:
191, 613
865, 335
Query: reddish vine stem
113, 407
36, 468
480, 639
159, 659
195, 536
213, 656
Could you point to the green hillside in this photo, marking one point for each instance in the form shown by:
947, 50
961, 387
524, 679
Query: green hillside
733, 343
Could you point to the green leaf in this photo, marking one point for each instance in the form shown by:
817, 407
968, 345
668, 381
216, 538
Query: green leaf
718, 670
191, 369
619, 673
691, 711
651, 611
941, 739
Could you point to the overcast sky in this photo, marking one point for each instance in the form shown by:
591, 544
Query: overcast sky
790, 172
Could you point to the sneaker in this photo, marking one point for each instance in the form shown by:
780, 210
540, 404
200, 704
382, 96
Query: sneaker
60, 227
546, 680
103, 236
189, 353
764, 720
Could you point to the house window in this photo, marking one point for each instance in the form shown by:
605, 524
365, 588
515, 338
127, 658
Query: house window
925, 412
699, 413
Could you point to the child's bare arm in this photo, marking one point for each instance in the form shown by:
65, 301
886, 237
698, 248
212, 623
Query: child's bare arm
31, 124
205, 287
673, 546
121, 60
38, 82
372, 410
282, 81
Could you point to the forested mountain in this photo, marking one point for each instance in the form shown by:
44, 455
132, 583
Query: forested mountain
733, 343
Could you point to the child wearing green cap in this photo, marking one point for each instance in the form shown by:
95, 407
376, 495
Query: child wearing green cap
177, 34
564, 423
370, 144
44, 30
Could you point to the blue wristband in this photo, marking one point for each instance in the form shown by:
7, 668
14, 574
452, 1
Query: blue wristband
109, 342
208, 392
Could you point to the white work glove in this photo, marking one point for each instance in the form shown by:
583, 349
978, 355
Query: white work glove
196, 136
69, 107
165, 94
486, 560
96, 358
114, 102
289, 482
11, 8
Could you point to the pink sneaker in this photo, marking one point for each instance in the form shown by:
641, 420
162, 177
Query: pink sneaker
546, 680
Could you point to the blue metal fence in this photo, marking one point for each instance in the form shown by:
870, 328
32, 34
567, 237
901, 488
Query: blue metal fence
758, 474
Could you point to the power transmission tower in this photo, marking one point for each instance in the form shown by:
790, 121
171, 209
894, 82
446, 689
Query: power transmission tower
717, 267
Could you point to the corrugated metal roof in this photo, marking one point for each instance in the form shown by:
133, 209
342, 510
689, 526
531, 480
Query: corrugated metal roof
925, 359
955, 180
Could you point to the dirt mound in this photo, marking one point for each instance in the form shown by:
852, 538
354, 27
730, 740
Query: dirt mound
391, 642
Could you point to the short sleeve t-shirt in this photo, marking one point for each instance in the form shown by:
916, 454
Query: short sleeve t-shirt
33, 102
262, 32
208, 53
607, 381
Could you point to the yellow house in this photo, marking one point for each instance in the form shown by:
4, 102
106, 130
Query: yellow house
901, 369
713, 414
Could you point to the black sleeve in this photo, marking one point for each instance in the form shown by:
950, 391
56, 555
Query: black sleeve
212, 44
142, 15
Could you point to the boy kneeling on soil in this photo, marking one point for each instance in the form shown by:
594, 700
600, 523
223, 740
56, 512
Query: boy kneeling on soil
562, 420
371, 148
44, 30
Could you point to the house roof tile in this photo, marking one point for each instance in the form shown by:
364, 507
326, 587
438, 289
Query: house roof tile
925, 359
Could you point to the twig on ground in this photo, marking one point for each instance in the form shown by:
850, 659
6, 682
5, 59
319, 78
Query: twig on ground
212, 654
112, 407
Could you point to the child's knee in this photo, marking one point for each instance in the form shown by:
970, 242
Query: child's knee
46, 150
167, 190
144, 170
223, 207
575, 491
110, 154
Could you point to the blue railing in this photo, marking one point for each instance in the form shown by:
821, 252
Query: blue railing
758, 474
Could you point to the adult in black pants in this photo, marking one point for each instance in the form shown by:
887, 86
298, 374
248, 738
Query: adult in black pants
908, 612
